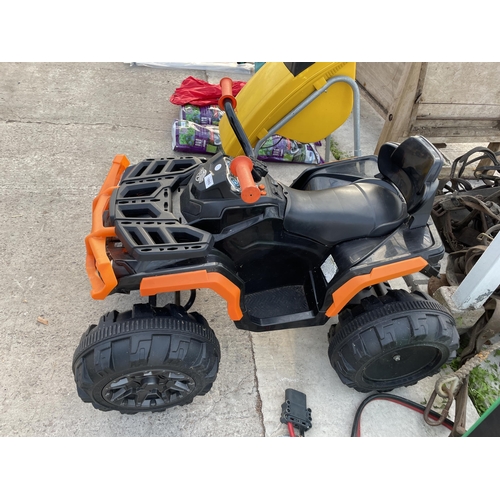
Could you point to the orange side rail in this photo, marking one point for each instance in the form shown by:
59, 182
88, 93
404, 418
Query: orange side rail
99, 269
377, 275
196, 279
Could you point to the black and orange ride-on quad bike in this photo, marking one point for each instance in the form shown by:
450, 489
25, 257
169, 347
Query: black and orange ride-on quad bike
280, 256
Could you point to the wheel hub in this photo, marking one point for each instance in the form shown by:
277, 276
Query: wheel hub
406, 362
148, 389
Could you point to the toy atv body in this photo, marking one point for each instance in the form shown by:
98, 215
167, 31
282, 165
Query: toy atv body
280, 256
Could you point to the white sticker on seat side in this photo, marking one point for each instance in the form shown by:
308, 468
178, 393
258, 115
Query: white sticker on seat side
329, 268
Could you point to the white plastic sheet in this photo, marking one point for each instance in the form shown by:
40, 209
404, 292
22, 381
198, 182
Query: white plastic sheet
233, 67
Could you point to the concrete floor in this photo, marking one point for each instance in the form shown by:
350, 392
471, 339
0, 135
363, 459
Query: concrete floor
60, 127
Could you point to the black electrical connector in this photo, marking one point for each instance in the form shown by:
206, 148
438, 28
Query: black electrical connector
294, 411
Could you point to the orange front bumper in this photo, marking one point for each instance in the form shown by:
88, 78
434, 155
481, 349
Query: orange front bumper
99, 269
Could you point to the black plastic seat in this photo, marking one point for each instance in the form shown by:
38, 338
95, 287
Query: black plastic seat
413, 166
365, 208
371, 207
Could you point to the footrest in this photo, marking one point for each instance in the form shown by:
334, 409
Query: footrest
277, 302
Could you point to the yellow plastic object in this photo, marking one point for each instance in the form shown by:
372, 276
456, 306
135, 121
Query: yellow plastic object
274, 91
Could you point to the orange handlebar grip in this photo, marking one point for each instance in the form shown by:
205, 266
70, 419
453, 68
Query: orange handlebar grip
226, 85
242, 167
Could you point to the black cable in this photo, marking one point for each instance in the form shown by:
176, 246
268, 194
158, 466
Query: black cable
356, 428
190, 301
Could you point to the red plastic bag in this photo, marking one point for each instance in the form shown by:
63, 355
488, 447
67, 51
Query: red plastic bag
200, 93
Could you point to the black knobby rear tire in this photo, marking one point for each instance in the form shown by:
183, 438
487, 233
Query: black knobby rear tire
146, 359
392, 341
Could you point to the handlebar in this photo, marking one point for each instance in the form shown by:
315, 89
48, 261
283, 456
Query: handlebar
242, 167
226, 85
227, 102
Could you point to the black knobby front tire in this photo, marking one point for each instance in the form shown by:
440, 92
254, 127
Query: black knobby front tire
146, 359
392, 341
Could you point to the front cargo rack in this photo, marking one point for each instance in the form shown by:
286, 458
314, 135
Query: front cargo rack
134, 205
